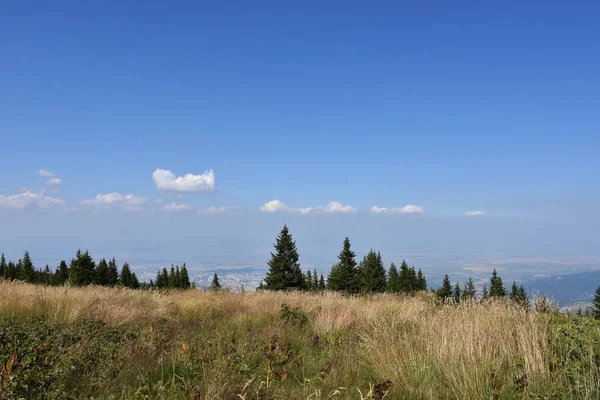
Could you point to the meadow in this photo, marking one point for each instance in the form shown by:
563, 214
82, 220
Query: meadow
114, 343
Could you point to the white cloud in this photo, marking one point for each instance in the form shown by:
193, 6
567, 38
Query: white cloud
218, 210
54, 182
176, 207
474, 213
407, 209
332, 207
167, 181
274, 205
126, 202
29, 200
157, 201
45, 173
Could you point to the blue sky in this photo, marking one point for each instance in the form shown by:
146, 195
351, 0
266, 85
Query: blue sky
447, 108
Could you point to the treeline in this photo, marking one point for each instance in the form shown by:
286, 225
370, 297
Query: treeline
83, 270
370, 276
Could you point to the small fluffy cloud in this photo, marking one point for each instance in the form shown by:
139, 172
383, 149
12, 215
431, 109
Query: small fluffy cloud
165, 180
407, 209
175, 207
474, 213
219, 210
45, 173
332, 207
126, 202
274, 205
29, 200
54, 182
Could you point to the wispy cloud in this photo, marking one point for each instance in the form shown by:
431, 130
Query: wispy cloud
125, 202
407, 209
29, 200
332, 207
165, 180
54, 182
175, 207
475, 213
45, 173
219, 210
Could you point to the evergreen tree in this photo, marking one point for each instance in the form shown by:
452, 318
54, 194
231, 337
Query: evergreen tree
162, 279
407, 279
284, 270
3, 267
126, 279
315, 281
344, 275
184, 278
596, 305
469, 290
172, 281
12, 271
62, 273
485, 294
422, 282
445, 291
112, 275
456, 293
135, 283
177, 277
372, 273
215, 285
83, 269
322, 283
393, 285
309, 280
496, 286
102, 273
523, 297
27, 272
47, 276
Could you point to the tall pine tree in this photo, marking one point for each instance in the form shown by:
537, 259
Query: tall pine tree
284, 270
102, 273
445, 291
344, 275
496, 286
469, 290
184, 278
215, 284
372, 273
393, 284
27, 269
112, 275
83, 269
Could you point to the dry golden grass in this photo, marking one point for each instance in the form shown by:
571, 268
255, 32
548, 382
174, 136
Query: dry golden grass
426, 349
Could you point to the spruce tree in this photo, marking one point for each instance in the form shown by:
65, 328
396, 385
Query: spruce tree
393, 283
184, 278
456, 293
3, 266
309, 280
322, 283
315, 281
126, 279
12, 271
485, 294
445, 291
496, 286
112, 275
406, 279
523, 297
344, 275
177, 277
469, 290
62, 273
596, 304
27, 272
135, 283
215, 285
422, 282
372, 273
83, 269
172, 278
284, 270
102, 273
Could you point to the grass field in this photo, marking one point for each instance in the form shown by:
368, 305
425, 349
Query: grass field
94, 342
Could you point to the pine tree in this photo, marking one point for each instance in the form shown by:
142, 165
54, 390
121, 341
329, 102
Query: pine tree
523, 297
112, 275
12, 271
485, 294
393, 285
135, 283
27, 272
422, 282
83, 269
284, 270
469, 290
184, 278
309, 280
47, 276
372, 273
172, 281
496, 286
3, 267
102, 273
344, 275
62, 273
177, 277
215, 285
322, 283
315, 281
456, 293
407, 279
126, 279
445, 291
596, 304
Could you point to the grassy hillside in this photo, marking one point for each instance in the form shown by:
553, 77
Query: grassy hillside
94, 342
